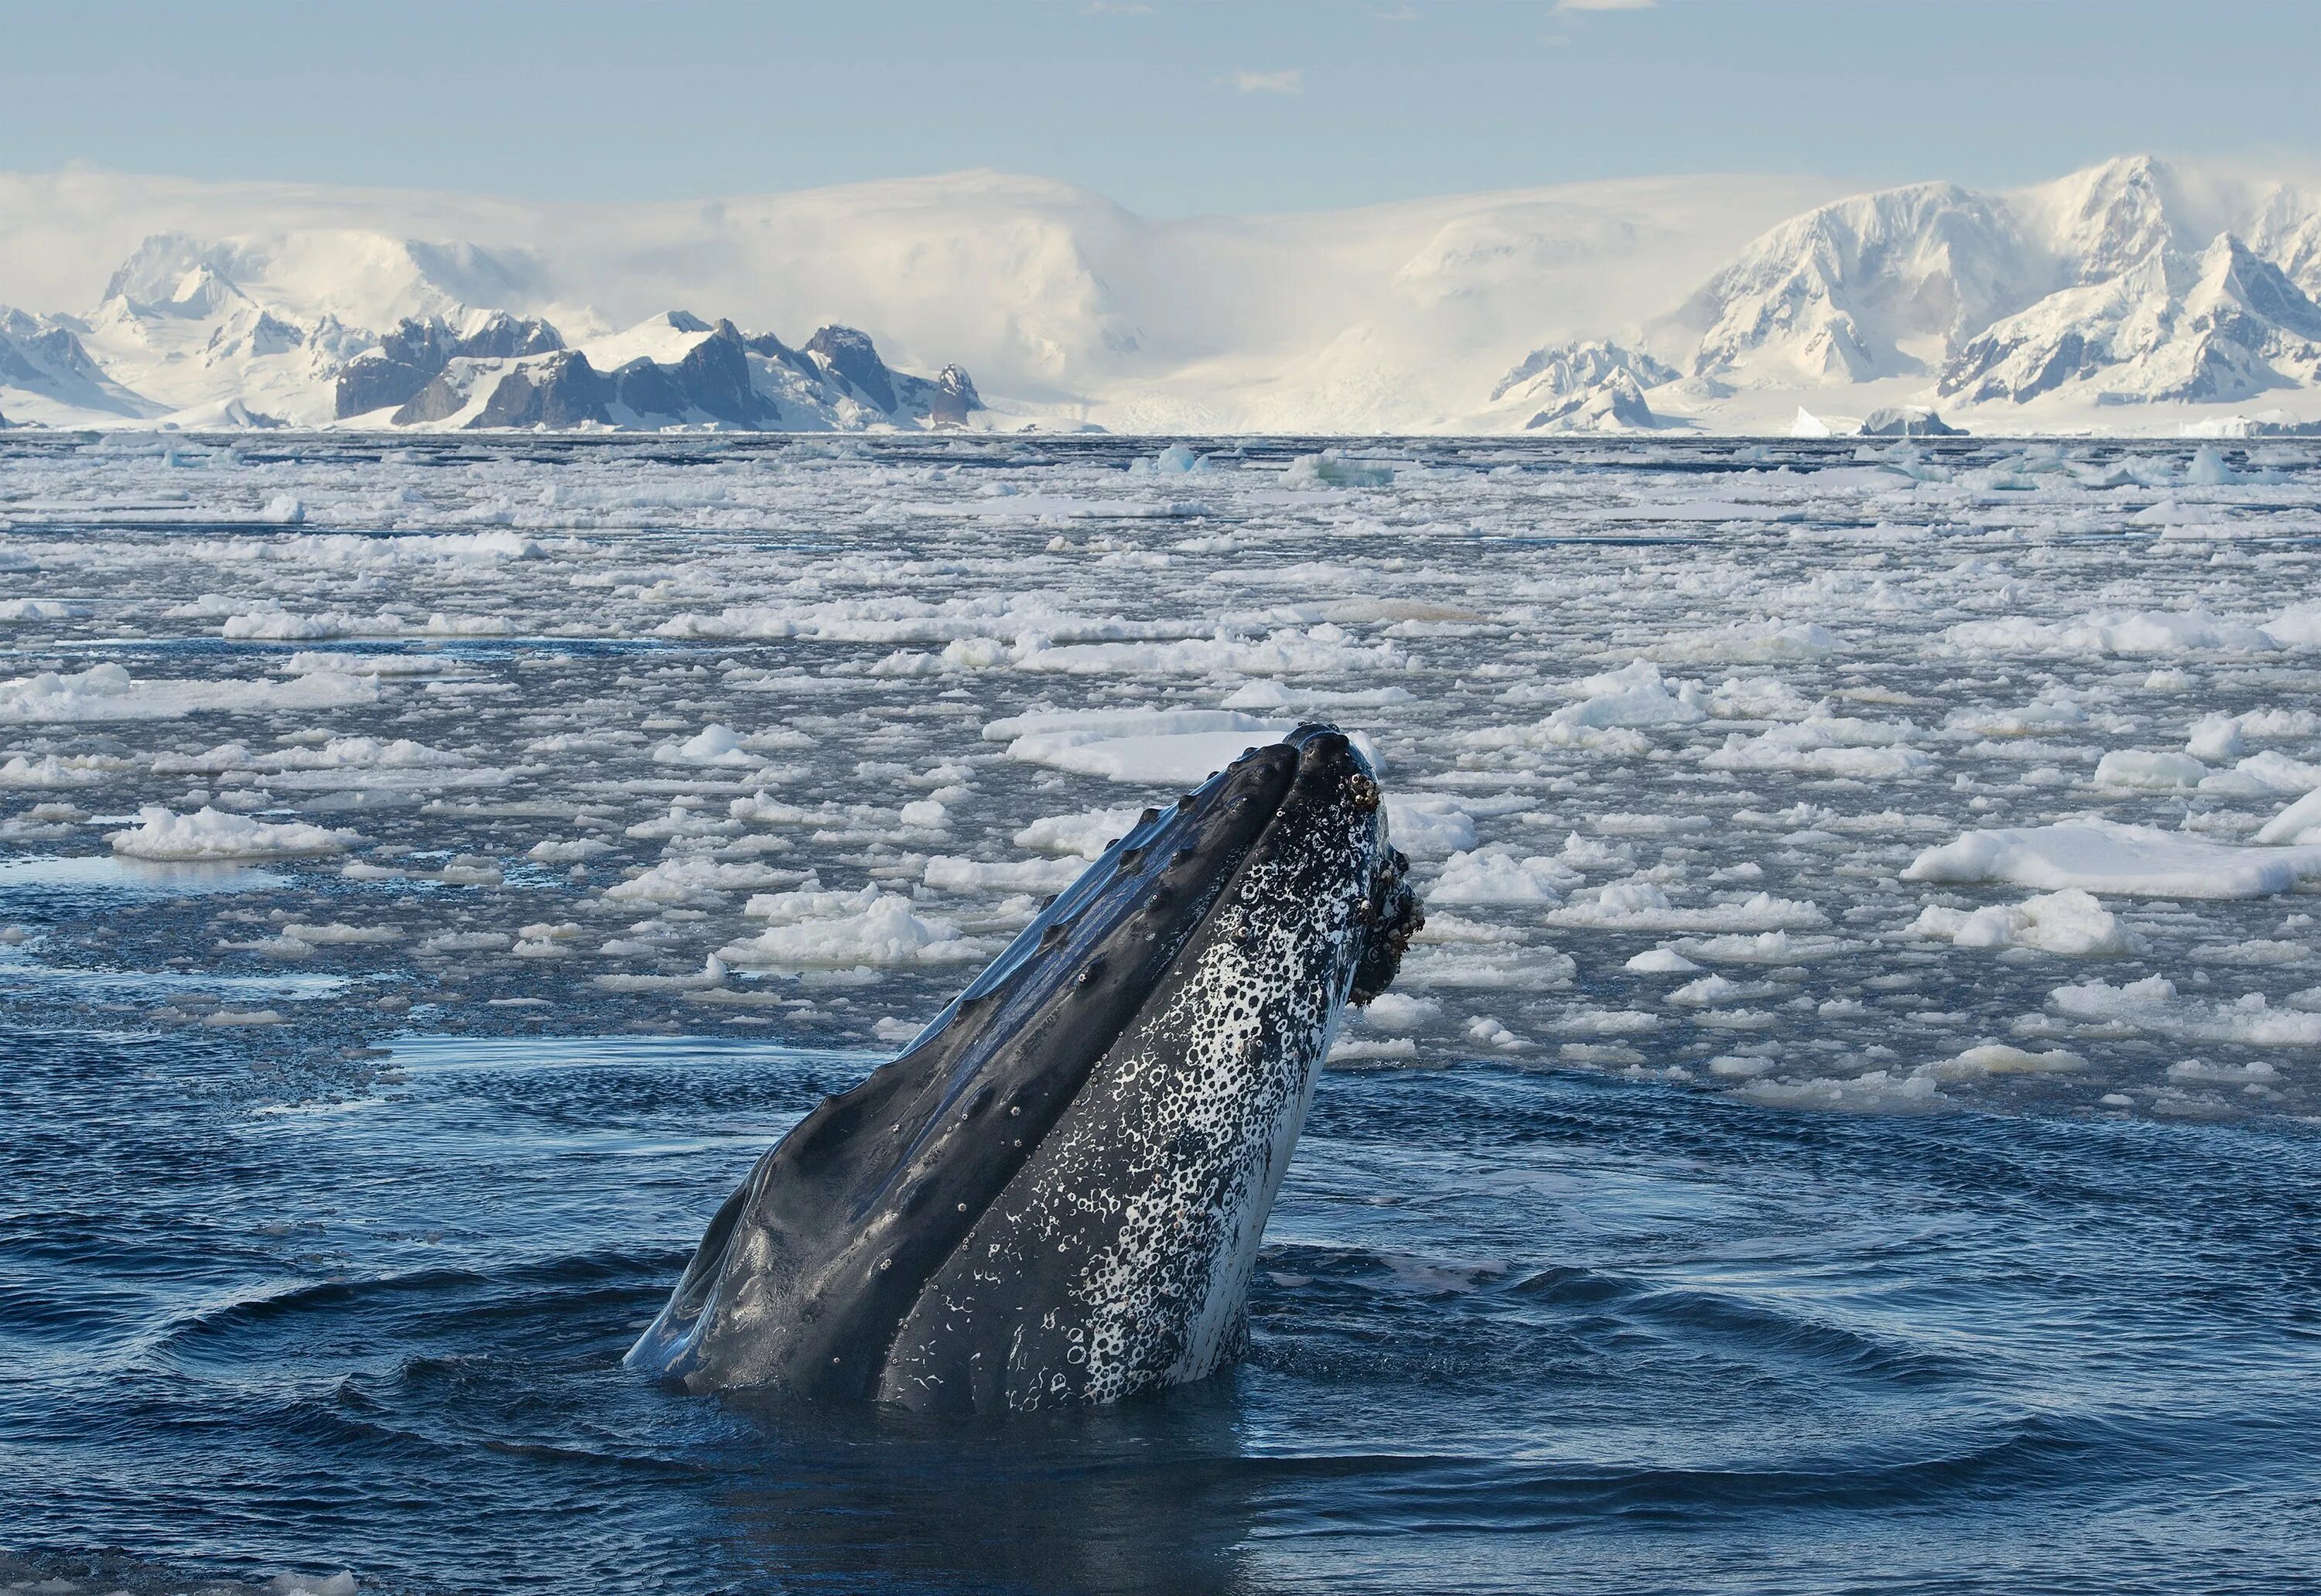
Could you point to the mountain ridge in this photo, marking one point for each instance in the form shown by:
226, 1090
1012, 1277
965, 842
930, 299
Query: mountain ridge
2137, 294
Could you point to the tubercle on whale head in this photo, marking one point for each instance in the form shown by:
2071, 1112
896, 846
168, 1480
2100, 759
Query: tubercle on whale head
1388, 914
1391, 917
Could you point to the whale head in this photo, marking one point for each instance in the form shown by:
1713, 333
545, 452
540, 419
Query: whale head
1055, 1194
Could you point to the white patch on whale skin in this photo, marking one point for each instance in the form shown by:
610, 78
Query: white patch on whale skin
1227, 1087
1229, 1064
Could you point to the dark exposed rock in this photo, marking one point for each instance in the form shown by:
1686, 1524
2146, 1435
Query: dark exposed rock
955, 397
416, 352
714, 382
438, 399
505, 337
561, 391
650, 390
714, 376
774, 349
853, 359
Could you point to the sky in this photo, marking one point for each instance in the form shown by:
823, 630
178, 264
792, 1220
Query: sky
1174, 107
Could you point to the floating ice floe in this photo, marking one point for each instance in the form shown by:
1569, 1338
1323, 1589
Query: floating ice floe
711, 974
212, 834
2039, 719
712, 745
563, 850
307, 661
1641, 905
1427, 825
1610, 707
70, 770
947, 873
2299, 824
1873, 1091
1765, 640
347, 549
691, 876
2263, 775
1329, 468
1157, 747
1496, 876
108, 692
280, 625
2297, 626
1839, 746
2067, 921
44, 610
2000, 1058
1762, 947
1712, 991
1886, 1090
1398, 1011
2153, 771
1177, 460
1504, 967
301, 940
898, 619
815, 929
2154, 1006
2105, 856
1322, 650
1662, 962
370, 764
1011, 506
2217, 737
1085, 836
2112, 631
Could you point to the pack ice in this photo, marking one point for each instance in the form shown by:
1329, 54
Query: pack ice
1904, 774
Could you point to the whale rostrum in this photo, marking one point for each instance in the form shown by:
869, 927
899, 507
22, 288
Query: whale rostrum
1055, 1194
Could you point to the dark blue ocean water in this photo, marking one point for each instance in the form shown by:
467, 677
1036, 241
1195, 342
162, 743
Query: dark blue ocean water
1513, 1331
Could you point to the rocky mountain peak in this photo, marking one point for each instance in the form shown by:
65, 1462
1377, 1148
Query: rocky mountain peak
851, 356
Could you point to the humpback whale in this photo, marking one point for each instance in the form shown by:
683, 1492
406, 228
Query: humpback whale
1055, 1194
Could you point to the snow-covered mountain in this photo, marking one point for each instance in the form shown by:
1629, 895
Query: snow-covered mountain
43, 357
673, 371
1583, 385
2139, 295
336, 326
2134, 283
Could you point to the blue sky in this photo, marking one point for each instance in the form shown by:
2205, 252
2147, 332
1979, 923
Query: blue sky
1170, 108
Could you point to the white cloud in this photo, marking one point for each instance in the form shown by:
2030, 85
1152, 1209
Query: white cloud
1605, 4
1290, 80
